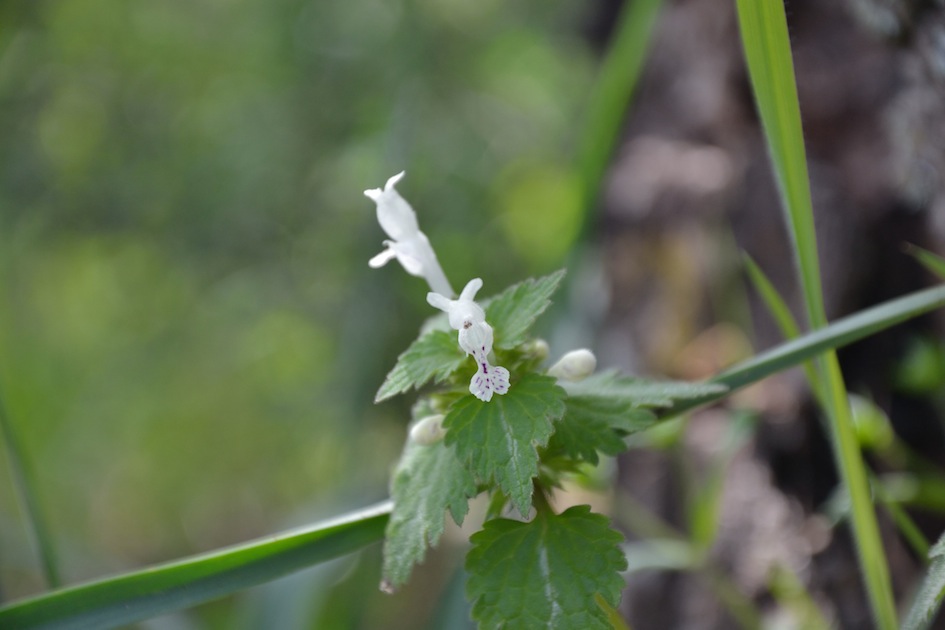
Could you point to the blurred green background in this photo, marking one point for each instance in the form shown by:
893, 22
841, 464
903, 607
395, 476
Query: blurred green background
190, 336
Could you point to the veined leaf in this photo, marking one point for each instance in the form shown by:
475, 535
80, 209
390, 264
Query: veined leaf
545, 573
512, 312
498, 439
435, 355
596, 423
428, 481
639, 392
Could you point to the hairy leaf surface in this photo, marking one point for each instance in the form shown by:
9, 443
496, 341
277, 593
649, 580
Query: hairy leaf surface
640, 392
512, 312
596, 423
497, 440
435, 355
429, 480
546, 573
931, 592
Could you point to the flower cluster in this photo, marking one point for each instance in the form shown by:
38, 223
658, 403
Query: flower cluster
412, 249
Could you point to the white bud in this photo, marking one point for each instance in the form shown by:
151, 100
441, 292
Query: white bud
428, 430
574, 366
538, 348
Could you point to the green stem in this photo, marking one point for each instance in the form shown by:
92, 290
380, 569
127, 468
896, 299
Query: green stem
540, 500
28, 498
789, 328
841, 333
907, 527
854, 475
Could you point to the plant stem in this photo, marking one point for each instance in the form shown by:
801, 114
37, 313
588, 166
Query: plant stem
28, 498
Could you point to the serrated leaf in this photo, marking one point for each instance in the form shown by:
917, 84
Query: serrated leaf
435, 355
512, 312
546, 573
596, 423
497, 440
640, 392
931, 592
429, 480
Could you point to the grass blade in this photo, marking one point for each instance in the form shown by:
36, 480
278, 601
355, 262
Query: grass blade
767, 47
773, 301
782, 316
164, 588
26, 493
607, 107
806, 347
790, 330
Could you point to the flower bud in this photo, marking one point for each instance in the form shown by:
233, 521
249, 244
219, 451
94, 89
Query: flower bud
428, 430
538, 349
574, 366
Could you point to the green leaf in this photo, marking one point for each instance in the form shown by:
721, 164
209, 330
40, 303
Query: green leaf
435, 356
642, 393
597, 423
931, 592
497, 440
512, 312
125, 599
428, 481
546, 573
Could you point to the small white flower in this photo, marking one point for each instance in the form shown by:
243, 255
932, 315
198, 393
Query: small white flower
409, 245
475, 338
428, 430
574, 366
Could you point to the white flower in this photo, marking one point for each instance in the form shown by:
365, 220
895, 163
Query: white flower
574, 366
409, 245
475, 338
